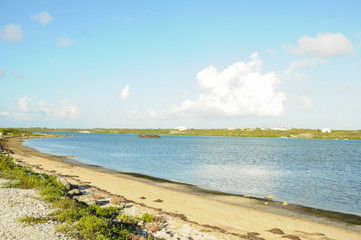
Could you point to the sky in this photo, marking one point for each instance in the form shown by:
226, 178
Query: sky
165, 64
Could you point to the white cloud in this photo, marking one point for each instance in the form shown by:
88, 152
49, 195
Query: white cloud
17, 75
2, 74
125, 92
324, 45
43, 17
5, 113
12, 33
305, 102
23, 104
239, 90
64, 41
66, 110
292, 73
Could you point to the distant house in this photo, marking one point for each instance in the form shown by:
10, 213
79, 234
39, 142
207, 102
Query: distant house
280, 129
264, 128
326, 130
181, 128
231, 128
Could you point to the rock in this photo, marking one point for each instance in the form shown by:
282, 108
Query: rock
87, 199
276, 231
292, 237
158, 200
65, 183
154, 227
74, 192
269, 197
117, 200
133, 236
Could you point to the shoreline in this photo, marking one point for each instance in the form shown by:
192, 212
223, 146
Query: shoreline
222, 211
348, 217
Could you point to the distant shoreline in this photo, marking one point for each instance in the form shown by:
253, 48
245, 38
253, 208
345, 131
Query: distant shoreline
244, 132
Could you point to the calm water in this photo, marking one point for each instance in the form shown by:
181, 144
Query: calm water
318, 173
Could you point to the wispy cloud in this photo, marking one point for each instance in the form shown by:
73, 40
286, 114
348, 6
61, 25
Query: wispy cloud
64, 110
292, 71
17, 75
43, 17
305, 102
12, 33
125, 92
324, 45
356, 64
350, 89
23, 104
64, 41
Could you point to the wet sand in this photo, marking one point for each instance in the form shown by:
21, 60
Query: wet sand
223, 214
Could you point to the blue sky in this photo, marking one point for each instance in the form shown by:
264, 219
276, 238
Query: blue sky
199, 64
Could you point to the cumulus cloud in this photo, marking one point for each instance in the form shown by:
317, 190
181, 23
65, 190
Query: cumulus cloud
2, 74
64, 41
292, 70
17, 75
12, 33
43, 17
125, 92
23, 104
324, 45
239, 90
305, 102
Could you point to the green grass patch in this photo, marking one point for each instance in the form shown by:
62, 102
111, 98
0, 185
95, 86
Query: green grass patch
33, 220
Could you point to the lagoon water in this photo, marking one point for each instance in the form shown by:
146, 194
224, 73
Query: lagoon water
318, 173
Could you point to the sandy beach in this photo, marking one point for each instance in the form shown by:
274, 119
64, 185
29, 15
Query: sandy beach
222, 216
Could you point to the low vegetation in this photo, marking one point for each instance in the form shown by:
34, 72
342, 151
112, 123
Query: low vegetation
78, 220
239, 132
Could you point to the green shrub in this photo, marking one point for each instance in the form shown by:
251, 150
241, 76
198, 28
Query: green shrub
147, 217
92, 222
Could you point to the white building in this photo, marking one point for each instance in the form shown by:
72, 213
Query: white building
181, 128
326, 130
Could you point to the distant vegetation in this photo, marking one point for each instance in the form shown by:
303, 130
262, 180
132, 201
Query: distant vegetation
245, 132
15, 132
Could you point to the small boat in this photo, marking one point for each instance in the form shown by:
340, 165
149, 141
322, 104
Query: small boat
148, 136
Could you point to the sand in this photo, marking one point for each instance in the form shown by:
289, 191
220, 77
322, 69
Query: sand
220, 214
